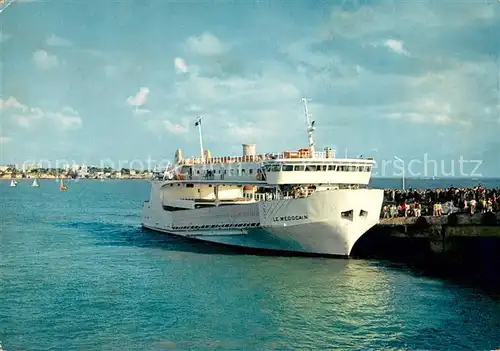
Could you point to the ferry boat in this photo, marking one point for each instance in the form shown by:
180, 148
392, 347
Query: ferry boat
303, 201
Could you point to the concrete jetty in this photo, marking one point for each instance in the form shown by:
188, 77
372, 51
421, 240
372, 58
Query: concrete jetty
442, 231
456, 245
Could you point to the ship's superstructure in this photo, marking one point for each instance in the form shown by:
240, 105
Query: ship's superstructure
304, 201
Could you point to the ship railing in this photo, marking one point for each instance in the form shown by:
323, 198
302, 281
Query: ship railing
270, 196
321, 155
257, 197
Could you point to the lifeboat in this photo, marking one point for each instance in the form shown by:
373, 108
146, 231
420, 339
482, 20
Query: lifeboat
291, 154
303, 153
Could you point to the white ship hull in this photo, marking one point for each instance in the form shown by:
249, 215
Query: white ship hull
318, 224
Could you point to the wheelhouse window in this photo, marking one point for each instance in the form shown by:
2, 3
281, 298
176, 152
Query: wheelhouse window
276, 168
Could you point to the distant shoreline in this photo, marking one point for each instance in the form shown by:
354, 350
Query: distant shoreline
70, 178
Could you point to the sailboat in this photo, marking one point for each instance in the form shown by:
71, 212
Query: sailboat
62, 187
35, 183
13, 183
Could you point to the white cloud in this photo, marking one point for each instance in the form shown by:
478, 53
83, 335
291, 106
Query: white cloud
389, 15
44, 60
65, 120
31, 117
176, 128
22, 121
5, 140
4, 37
425, 111
248, 131
396, 46
54, 40
141, 111
11, 102
206, 45
140, 98
180, 65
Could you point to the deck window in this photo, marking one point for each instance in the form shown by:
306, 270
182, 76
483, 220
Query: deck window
299, 168
310, 168
331, 167
276, 168
287, 168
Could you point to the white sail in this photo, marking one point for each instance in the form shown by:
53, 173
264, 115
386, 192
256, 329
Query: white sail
35, 183
13, 183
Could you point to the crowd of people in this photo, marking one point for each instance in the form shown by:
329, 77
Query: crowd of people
439, 202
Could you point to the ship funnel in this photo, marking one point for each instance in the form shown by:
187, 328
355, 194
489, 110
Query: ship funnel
248, 150
178, 156
207, 155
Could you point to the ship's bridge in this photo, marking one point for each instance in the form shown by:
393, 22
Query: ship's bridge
318, 170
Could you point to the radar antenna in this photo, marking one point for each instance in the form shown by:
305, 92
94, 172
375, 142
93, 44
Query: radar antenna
310, 127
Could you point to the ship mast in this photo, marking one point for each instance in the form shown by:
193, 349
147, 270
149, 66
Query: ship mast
310, 127
198, 124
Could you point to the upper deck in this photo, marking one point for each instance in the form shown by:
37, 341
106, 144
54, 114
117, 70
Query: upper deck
274, 169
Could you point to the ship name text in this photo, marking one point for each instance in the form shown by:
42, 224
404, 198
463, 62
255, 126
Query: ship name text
289, 218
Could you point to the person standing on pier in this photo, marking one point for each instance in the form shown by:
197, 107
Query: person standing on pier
417, 209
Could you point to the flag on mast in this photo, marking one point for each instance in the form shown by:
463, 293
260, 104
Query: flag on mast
198, 122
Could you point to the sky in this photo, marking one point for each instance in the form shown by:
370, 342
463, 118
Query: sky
124, 81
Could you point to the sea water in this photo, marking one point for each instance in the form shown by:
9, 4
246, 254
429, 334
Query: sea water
78, 273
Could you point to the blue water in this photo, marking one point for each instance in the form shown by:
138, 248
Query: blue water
78, 273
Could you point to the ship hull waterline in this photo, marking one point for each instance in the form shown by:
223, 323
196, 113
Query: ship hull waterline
316, 225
